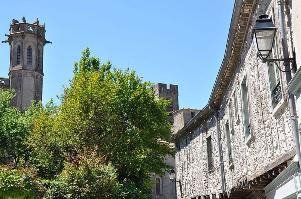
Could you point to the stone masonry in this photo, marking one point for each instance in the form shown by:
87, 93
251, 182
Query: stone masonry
163, 187
245, 154
26, 42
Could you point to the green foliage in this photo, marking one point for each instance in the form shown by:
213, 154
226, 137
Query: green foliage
19, 184
130, 189
117, 113
90, 179
14, 127
105, 139
46, 153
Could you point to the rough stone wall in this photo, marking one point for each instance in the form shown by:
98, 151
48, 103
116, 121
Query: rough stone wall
170, 92
271, 135
26, 66
192, 162
181, 117
167, 187
296, 32
28, 87
296, 24
270, 127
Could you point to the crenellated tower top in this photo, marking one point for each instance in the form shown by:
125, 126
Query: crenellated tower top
20, 28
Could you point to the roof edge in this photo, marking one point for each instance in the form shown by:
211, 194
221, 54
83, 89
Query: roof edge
242, 9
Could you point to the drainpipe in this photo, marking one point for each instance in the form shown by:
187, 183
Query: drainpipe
220, 150
288, 75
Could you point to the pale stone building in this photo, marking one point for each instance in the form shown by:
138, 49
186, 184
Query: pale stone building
182, 117
241, 144
163, 187
26, 42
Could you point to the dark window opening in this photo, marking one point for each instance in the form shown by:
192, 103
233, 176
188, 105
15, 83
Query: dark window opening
18, 55
209, 153
229, 143
192, 114
245, 107
158, 186
29, 55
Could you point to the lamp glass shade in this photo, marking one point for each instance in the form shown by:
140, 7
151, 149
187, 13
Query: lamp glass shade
265, 31
265, 40
172, 175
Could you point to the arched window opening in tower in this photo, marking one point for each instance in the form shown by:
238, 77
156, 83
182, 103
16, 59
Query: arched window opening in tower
18, 55
158, 186
29, 55
39, 57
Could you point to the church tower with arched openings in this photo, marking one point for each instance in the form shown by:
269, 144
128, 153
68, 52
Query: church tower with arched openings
26, 42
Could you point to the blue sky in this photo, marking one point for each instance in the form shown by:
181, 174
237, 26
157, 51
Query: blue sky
168, 41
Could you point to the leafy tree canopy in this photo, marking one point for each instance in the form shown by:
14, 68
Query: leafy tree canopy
117, 114
107, 137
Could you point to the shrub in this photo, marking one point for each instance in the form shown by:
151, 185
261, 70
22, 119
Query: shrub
19, 184
84, 181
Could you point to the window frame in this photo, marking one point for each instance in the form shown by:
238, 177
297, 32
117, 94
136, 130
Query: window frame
159, 186
29, 55
210, 161
229, 146
18, 55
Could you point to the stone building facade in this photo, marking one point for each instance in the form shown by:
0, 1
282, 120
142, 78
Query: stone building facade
163, 187
182, 117
242, 139
26, 42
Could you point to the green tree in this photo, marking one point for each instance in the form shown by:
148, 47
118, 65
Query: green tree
117, 114
14, 127
88, 179
47, 155
19, 184
105, 139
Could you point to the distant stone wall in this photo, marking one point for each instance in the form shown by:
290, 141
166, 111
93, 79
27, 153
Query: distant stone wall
26, 42
192, 162
182, 117
167, 187
270, 139
163, 187
170, 92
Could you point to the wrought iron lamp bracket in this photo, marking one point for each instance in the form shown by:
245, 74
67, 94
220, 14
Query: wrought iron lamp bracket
285, 60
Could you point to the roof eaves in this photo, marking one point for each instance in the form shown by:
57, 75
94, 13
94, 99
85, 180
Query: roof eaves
240, 22
242, 9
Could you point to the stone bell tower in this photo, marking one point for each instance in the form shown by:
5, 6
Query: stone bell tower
26, 42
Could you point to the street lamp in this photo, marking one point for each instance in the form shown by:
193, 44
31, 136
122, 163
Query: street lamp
172, 177
265, 32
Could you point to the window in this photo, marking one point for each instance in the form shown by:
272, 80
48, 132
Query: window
274, 73
18, 55
192, 114
229, 143
209, 153
158, 186
235, 105
231, 117
29, 55
274, 77
40, 57
245, 107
